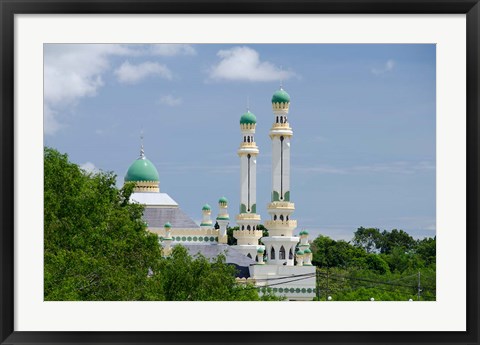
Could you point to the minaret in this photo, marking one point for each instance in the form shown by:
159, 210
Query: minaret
206, 220
223, 219
247, 220
280, 244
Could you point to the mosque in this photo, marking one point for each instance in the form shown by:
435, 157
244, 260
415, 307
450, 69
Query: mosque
280, 261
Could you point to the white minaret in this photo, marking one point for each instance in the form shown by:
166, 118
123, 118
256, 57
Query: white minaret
295, 282
206, 220
280, 244
247, 220
223, 219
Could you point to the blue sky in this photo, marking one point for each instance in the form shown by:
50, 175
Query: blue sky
363, 151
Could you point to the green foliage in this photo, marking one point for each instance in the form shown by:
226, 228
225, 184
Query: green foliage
383, 265
96, 246
231, 241
367, 238
185, 278
396, 239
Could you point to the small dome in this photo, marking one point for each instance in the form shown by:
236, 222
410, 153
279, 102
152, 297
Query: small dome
168, 225
307, 251
223, 200
281, 96
260, 250
305, 232
248, 118
300, 252
142, 170
206, 207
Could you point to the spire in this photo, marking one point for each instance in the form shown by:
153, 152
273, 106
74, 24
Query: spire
281, 79
142, 151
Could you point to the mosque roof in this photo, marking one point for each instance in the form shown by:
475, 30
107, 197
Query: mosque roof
153, 199
156, 217
232, 256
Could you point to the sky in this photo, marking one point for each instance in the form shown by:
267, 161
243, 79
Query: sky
363, 117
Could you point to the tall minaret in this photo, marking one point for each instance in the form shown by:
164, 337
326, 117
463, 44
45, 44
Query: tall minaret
247, 220
280, 244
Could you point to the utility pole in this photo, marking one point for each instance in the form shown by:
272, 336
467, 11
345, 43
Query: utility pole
318, 283
326, 295
419, 287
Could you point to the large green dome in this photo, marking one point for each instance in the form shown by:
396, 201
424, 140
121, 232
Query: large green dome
248, 118
142, 170
281, 96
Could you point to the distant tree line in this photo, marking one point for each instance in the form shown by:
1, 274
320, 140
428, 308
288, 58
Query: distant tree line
385, 265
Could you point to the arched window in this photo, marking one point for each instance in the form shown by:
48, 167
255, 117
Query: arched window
254, 227
272, 254
243, 227
248, 227
282, 253
281, 119
249, 255
248, 139
277, 119
290, 254
275, 217
287, 217
281, 217
244, 139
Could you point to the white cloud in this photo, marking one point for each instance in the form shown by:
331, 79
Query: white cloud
172, 49
243, 64
132, 74
170, 100
72, 72
89, 167
387, 67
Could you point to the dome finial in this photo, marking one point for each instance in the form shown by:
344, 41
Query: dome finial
142, 151
281, 79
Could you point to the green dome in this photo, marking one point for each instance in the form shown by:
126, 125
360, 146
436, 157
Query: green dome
260, 250
141, 170
307, 251
168, 225
300, 252
206, 207
305, 232
281, 96
223, 200
248, 118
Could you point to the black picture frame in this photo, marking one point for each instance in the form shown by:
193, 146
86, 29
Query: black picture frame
8, 9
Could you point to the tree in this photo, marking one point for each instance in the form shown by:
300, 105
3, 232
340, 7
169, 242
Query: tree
369, 239
396, 239
426, 249
96, 244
